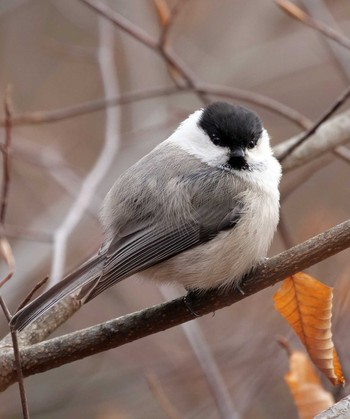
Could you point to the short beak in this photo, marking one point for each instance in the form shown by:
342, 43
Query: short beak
238, 152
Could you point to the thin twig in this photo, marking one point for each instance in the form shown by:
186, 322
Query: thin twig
6, 250
20, 378
303, 17
166, 20
28, 297
174, 61
336, 105
163, 400
207, 363
7, 254
43, 117
122, 23
17, 361
104, 160
167, 25
6, 149
320, 10
5, 309
231, 93
272, 105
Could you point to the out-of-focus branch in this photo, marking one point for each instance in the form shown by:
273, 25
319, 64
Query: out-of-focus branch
159, 393
122, 23
62, 350
168, 22
44, 117
104, 160
231, 93
170, 59
6, 251
320, 10
335, 106
330, 135
303, 17
207, 363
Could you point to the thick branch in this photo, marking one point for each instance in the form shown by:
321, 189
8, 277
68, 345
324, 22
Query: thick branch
330, 135
68, 348
338, 410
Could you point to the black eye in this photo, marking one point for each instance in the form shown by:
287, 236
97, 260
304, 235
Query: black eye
215, 139
251, 144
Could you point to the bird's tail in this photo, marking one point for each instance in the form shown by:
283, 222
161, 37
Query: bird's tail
82, 276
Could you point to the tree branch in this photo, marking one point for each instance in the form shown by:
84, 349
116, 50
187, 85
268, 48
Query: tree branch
298, 14
339, 410
329, 135
78, 345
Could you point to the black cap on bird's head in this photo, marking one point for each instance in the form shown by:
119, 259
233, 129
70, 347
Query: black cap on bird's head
233, 127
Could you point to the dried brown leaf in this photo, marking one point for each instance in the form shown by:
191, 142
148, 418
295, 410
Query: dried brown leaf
305, 386
306, 304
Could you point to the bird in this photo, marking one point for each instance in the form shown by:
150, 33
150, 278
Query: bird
200, 209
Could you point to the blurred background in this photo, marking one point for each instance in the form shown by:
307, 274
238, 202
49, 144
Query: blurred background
58, 53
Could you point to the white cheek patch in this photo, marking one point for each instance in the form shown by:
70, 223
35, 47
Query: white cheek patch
261, 151
191, 138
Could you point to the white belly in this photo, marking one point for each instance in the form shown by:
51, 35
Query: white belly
226, 258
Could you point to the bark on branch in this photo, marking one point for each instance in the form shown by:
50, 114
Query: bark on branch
55, 352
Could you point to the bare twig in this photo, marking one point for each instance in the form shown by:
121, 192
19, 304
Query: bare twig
174, 62
336, 105
122, 23
5, 247
6, 149
104, 161
62, 350
44, 117
320, 10
5, 309
19, 373
6, 250
7, 254
166, 19
168, 23
163, 400
301, 16
272, 105
31, 293
206, 360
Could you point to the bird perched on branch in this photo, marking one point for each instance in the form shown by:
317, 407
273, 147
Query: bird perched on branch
200, 209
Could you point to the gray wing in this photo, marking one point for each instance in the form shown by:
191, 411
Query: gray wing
141, 240
150, 245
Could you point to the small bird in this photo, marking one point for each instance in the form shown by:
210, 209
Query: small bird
200, 209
